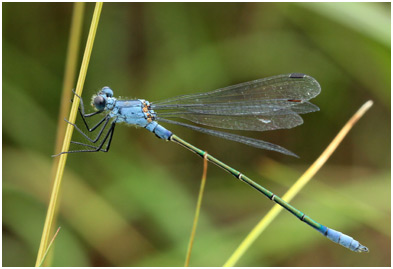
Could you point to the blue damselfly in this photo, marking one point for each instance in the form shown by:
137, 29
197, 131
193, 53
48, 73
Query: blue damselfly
259, 105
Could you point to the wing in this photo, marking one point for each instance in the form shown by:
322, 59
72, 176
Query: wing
237, 138
259, 105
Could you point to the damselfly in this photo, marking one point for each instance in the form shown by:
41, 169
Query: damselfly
259, 105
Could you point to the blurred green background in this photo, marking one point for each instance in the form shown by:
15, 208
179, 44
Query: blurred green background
134, 206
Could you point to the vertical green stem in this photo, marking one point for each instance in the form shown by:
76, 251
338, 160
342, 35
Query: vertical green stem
198, 208
68, 83
70, 70
50, 216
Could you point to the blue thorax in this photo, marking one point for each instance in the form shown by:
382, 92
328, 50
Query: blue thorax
134, 112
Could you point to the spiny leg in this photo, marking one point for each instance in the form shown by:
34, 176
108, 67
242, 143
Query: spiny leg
109, 135
85, 145
106, 119
95, 126
99, 148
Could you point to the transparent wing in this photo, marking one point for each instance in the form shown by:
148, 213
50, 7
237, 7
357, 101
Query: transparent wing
237, 138
242, 122
256, 107
283, 87
260, 105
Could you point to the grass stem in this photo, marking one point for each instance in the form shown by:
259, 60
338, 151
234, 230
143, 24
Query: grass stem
198, 208
70, 70
50, 216
49, 247
68, 83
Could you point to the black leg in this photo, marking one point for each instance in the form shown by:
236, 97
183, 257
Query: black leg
109, 135
95, 126
106, 119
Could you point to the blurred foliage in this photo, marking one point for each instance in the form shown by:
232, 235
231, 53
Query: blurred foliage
134, 205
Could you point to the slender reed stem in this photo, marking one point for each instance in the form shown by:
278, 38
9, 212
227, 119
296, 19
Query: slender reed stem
49, 247
50, 216
198, 208
300, 183
68, 83
70, 70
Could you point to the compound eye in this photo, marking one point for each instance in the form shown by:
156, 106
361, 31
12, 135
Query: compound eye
107, 91
99, 102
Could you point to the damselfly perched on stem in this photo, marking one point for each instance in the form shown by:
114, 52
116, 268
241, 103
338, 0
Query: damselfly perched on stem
259, 105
